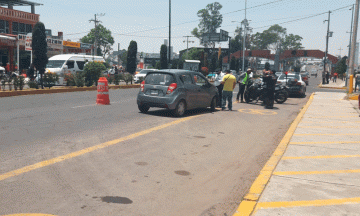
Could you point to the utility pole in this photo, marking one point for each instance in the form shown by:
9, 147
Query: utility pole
119, 53
169, 59
96, 21
326, 52
187, 45
351, 29
340, 51
229, 52
353, 42
244, 38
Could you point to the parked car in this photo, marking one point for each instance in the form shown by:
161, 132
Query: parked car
277, 74
141, 75
305, 77
176, 90
294, 82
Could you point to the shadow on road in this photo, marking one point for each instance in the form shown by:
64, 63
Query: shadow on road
168, 113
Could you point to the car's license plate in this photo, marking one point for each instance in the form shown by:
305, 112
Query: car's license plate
154, 92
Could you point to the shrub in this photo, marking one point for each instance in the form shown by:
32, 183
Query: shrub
127, 78
3, 83
21, 82
70, 80
50, 79
117, 79
93, 71
16, 83
9, 81
33, 84
110, 79
79, 79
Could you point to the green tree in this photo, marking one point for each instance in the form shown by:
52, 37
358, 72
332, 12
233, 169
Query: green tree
193, 54
341, 66
163, 57
210, 21
219, 63
292, 42
158, 65
123, 57
104, 42
233, 63
39, 48
131, 57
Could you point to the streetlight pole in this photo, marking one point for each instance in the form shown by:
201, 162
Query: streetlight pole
326, 52
351, 29
169, 32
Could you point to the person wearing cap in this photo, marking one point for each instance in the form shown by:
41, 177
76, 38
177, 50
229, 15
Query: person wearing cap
229, 82
218, 78
242, 84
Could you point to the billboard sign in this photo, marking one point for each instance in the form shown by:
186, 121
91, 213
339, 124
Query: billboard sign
28, 42
71, 44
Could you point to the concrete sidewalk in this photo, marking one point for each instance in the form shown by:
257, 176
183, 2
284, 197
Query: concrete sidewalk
319, 173
339, 84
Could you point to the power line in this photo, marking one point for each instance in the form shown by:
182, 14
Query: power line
311, 16
200, 19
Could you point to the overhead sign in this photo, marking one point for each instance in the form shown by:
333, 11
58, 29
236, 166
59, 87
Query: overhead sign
71, 44
85, 46
28, 42
224, 35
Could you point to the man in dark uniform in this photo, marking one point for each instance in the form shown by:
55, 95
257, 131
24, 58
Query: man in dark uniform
269, 79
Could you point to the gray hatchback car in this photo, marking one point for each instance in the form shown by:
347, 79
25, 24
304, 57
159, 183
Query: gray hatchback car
176, 90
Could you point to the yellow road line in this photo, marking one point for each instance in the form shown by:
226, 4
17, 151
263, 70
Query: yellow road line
348, 134
247, 205
320, 157
87, 150
328, 126
304, 203
283, 173
328, 142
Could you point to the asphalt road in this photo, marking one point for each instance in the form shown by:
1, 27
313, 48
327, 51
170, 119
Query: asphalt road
148, 164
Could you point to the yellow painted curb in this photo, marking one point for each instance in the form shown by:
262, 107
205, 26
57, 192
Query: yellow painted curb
59, 90
249, 202
355, 97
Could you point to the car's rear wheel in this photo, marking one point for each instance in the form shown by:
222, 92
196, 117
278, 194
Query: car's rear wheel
144, 108
213, 104
180, 109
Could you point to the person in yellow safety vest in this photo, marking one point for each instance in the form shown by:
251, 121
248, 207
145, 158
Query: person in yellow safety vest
242, 84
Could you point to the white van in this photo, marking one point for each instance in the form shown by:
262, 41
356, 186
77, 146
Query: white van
69, 63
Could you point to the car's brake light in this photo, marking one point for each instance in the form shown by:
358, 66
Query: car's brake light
142, 85
171, 88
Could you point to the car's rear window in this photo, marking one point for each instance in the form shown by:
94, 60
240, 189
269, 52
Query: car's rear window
283, 76
159, 79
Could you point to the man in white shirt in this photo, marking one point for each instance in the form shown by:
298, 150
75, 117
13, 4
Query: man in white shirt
218, 78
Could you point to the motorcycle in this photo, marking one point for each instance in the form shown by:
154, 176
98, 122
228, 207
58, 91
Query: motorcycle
256, 91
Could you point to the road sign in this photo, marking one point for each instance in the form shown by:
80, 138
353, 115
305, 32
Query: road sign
28, 42
224, 35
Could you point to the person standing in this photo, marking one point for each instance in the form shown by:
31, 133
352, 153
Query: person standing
357, 81
229, 82
218, 78
327, 77
269, 79
242, 84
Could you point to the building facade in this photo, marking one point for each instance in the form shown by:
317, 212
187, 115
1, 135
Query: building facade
14, 23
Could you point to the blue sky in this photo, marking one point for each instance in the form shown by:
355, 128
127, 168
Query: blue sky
131, 19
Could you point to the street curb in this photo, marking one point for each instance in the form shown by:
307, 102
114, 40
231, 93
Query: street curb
250, 200
60, 90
